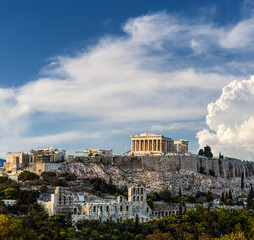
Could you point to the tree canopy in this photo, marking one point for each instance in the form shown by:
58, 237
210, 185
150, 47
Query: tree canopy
207, 152
27, 175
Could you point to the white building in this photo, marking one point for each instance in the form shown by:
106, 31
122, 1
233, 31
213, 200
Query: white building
9, 202
87, 206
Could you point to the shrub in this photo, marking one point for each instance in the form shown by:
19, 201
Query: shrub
211, 173
27, 175
191, 199
47, 175
43, 188
71, 177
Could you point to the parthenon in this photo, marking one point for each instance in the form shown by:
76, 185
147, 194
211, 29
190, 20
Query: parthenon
152, 144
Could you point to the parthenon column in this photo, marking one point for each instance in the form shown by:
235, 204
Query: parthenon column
132, 145
139, 145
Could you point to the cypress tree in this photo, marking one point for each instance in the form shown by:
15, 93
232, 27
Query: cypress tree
242, 181
223, 197
180, 192
226, 197
250, 197
230, 195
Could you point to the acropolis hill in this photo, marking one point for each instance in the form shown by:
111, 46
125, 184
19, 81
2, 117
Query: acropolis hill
149, 152
154, 162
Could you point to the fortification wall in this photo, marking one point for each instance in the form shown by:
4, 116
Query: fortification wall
128, 162
226, 168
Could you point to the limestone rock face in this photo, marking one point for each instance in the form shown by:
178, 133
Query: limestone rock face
190, 182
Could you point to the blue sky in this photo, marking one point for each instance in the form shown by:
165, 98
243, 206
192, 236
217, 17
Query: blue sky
79, 74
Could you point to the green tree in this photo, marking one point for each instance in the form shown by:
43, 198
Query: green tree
11, 193
71, 177
250, 197
27, 175
13, 229
191, 199
48, 175
201, 152
229, 202
208, 151
222, 197
43, 188
165, 195
149, 202
180, 192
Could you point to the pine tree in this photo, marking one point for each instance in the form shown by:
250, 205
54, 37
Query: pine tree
201, 152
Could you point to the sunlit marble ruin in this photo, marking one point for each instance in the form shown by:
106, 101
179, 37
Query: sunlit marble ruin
92, 152
34, 158
152, 144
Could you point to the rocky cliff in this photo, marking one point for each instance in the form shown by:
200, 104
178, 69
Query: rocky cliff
159, 174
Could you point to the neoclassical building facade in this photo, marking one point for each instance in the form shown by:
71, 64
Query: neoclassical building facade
153, 144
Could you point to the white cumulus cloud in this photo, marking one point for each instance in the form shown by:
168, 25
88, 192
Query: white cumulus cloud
231, 121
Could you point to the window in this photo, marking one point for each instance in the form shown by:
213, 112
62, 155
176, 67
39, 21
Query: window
141, 198
133, 198
94, 209
137, 198
142, 190
121, 208
107, 208
127, 208
101, 208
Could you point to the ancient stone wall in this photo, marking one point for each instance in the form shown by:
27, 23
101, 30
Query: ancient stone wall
226, 168
128, 162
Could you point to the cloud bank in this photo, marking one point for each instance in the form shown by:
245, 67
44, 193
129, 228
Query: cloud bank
231, 121
161, 72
